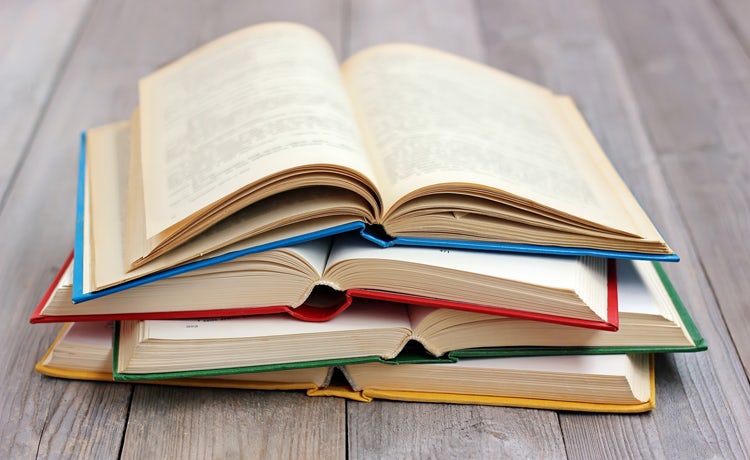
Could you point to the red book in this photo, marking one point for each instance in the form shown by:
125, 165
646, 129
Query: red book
478, 292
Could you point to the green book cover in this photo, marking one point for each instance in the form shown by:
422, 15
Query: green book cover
225, 371
411, 354
414, 353
698, 340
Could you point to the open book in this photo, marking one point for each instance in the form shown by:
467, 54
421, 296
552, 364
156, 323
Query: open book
374, 331
317, 280
260, 137
613, 383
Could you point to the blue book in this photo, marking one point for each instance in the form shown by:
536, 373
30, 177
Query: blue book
404, 145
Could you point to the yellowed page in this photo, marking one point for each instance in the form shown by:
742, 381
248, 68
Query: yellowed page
107, 152
107, 156
573, 287
370, 328
613, 379
247, 106
87, 347
432, 118
86, 276
533, 270
367, 315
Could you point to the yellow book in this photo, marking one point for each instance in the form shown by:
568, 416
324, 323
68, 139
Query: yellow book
597, 383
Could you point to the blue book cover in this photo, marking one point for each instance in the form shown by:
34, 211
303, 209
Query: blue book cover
371, 233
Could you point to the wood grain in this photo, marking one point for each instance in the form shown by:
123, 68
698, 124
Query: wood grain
35, 40
38, 414
708, 170
384, 429
178, 423
736, 14
85, 420
568, 49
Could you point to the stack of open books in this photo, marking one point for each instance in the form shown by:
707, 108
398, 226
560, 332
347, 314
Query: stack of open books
410, 225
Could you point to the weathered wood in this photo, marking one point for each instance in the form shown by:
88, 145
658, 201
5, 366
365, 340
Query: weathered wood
452, 27
38, 416
384, 429
85, 420
736, 13
704, 146
183, 423
35, 39
567, 48
390, 429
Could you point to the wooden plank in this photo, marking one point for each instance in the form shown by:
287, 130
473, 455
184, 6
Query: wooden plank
386, 429
452, 27
737, 15
567, 48
38, 416
178, 423
708, 168
391, 429
85, 420
35, 38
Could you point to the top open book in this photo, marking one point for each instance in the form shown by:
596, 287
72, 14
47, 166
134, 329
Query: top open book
261, 137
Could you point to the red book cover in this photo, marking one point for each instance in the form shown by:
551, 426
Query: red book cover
315, 313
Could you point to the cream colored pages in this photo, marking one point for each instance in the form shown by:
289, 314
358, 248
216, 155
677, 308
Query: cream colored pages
639, 284
86, 276
256, 102
90, 333
107, 158
429, 117
632, 292
105, 263
571, 364
633, 297
616, 379
368, 315
644, 321
83, 347
550, 271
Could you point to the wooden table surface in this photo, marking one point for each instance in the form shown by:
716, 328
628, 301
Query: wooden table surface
664, 84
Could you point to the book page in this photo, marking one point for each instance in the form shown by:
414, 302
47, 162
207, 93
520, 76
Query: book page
571, 364
632, 292
430, 118
641, 291
106, 259
107, 156
90, 333
549, 271
315, 253
245, 107
365, 315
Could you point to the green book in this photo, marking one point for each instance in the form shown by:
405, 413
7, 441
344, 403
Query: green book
652, 319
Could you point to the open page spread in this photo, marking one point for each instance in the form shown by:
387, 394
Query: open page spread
238, 111
433, 120
260, 138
